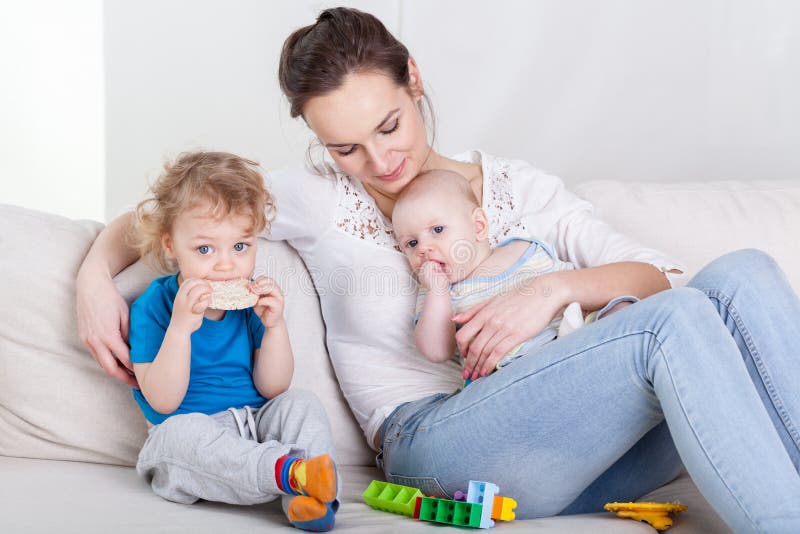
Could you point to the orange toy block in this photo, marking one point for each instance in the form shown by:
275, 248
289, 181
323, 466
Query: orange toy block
503, 508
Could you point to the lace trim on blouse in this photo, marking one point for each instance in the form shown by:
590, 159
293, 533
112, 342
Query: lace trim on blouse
358, 215
501, 206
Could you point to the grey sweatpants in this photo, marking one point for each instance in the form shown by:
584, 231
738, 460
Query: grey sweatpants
217, 458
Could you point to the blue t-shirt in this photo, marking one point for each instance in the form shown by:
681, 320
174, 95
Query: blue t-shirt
222, 353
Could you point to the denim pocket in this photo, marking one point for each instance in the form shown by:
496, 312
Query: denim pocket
429, 486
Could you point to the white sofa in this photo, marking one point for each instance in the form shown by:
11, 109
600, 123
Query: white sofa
69, 434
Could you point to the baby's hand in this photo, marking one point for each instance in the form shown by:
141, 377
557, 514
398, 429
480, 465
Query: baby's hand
433, 278
269, 307
191, 302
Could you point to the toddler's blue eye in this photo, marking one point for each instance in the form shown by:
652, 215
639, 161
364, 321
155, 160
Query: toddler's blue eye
412, 243
438, 229
204, 249
240, 247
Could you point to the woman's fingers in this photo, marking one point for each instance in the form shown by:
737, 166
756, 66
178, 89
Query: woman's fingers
471, 325
498, 352
474, 356
119, 349
497, 335
485, 364
124, 325
110, 363
104, 331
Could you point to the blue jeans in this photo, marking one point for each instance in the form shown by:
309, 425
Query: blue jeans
705, 376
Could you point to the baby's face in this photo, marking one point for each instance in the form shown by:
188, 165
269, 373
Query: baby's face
211, 248
440, 229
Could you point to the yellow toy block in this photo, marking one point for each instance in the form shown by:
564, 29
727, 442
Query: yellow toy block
654, 513
503, 508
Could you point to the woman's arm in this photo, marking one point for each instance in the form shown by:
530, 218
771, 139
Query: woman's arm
610, 264
495, 326
102, 312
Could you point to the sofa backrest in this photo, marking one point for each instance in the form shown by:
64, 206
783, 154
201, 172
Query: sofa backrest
696, 222
55, 401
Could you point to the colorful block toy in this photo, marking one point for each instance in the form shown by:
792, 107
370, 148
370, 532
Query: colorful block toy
462, 514
483, 493
476, 508
503, 508
392, 498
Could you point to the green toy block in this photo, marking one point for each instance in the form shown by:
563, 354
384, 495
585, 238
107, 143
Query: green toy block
392, 498
463, 514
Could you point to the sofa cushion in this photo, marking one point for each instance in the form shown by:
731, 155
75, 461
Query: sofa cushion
55, 401
696, 222
83, 499
313, 370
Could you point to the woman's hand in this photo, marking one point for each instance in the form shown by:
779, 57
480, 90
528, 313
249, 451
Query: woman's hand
102, 312
103, 325
269, 307
497, 325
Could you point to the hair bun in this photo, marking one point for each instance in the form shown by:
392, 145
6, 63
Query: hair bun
327, 14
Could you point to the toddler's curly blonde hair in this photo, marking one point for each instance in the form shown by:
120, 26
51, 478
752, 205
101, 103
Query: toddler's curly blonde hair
229, 183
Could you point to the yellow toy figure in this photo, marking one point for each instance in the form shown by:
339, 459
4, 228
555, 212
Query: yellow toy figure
654, 513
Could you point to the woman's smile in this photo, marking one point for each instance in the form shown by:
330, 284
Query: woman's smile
395, 174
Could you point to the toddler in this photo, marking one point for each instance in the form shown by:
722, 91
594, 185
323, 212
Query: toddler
214, 382
443, 231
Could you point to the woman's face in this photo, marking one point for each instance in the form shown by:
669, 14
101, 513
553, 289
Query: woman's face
373, 130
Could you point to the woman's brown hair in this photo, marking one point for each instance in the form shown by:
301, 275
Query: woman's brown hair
316, 59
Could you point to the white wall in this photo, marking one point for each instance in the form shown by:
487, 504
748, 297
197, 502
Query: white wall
617, 89
625, 89
52, 149
190, 74
678, 90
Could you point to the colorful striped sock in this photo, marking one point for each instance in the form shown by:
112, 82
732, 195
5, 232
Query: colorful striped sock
315, 477
283, 470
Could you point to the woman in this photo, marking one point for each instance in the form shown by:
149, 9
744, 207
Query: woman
564, 430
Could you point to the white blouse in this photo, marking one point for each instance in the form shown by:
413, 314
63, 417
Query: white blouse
366, 289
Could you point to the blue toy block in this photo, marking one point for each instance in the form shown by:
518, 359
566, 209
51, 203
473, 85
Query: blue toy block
483, 493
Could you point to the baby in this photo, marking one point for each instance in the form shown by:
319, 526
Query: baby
210, 350
443, 231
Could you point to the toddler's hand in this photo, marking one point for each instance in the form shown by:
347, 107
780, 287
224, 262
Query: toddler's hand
269, 307
191, 302
433, 278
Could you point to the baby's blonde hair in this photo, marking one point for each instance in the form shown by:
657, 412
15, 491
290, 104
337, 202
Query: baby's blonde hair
438, 180
229, 183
